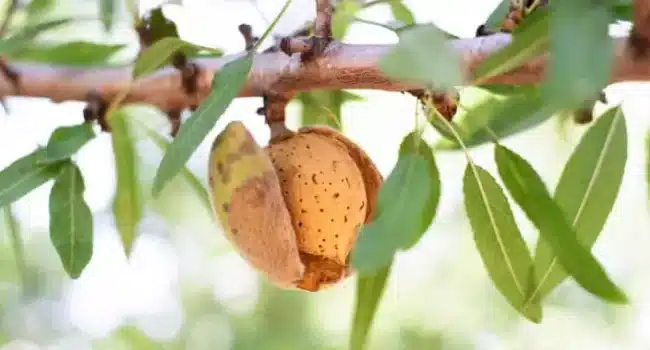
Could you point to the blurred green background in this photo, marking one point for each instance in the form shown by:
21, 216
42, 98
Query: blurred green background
185, 288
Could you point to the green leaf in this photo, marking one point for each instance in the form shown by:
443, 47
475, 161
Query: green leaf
498, 15
498, 239
107, 13
161, 52
25, 175
423, 56
77, 53
529, 191
127, 204
36, 9
226, 85
623, 12
369, 290
406, 205
586, 191
401, 12
65, 141
497, 111
24, 38
323, 107
71, 222
529, 40
580, 64
343, 16
192, 180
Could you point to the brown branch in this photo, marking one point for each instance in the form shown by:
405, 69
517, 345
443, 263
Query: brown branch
639, 39
342, 66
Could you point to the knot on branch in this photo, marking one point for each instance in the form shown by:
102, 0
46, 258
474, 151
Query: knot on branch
95, 110
315, 45
445, 103
249, 39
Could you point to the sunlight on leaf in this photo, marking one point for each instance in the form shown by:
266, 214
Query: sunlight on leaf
498, 239
530, 193
586, 191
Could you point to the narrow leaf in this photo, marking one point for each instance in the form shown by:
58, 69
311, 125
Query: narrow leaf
529, 191
71, 222
586, 191
127, 204
406, 205
25, 175
65, 141
161, 53
530, 39
24, 38
493, 112
424, 56
369, 290
226, 85
73, 53
580, 64
107, 13
498, 239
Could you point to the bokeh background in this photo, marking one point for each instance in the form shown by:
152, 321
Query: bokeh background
186, 288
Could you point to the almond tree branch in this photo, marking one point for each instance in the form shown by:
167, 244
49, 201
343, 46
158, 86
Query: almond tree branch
341, 66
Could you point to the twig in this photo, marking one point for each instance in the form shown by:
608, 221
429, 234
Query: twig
343, 66
639, 38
